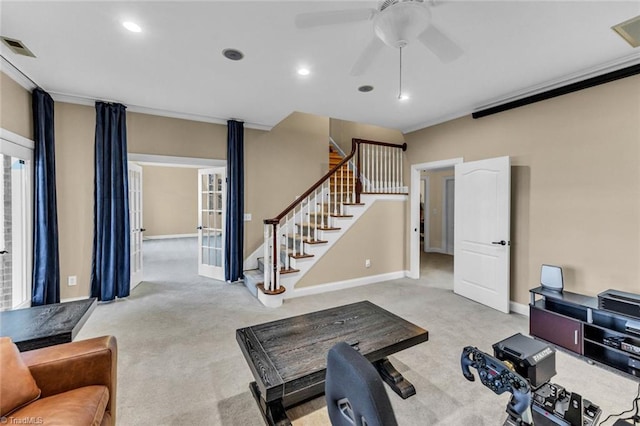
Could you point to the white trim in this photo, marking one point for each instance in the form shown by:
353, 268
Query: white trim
83, 100
74, 299
342, 285
518, 308
426, 215
16, 75
173, 161
16, 139
167, 237
414, 206
584, 74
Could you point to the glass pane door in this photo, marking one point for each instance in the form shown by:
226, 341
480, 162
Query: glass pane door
15, 219
135, 223
211, 221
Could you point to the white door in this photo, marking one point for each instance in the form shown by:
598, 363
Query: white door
16, 217
212, 196
482, 220
135, 223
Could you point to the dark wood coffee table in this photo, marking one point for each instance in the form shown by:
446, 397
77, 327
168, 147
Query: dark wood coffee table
288, 358
46, 325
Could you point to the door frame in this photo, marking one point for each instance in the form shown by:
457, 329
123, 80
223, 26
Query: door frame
426, 215
414, 210
19, 146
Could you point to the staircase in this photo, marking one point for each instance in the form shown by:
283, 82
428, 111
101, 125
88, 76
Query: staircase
308, 228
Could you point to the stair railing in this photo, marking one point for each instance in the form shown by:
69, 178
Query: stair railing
377, 164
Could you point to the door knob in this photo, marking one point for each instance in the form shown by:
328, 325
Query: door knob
501, 242
142, 229
199, 227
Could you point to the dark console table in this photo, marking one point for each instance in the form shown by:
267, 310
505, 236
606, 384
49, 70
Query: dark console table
574, 322
47, 325
288, 358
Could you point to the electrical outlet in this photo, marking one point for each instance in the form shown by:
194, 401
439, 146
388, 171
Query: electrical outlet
247, 217
367, 263
72, 280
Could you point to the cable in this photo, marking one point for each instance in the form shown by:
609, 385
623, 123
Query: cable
634, 407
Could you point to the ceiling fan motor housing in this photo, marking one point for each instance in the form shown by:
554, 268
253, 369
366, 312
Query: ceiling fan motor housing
399, 23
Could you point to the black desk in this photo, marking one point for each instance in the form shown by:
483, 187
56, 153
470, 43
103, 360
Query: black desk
47, 325
288, 358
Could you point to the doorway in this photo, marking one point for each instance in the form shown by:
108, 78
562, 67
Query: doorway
418, 171
169, 194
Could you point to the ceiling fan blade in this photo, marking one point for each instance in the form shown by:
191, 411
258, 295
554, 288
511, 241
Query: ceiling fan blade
366, 57
333, 17
440, 44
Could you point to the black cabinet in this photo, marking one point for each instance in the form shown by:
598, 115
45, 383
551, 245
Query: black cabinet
574, 322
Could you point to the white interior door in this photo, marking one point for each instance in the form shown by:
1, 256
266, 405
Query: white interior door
482, 220
135, 223
16, 217
212, 190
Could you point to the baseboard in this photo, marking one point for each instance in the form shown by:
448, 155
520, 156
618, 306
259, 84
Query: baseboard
342, 285
166, 237
435, 250
519, 308
74, 299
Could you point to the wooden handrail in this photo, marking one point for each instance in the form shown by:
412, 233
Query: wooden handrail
355, 143
315, 186
392, 145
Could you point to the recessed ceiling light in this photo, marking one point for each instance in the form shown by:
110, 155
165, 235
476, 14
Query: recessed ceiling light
132, 26
366, 88
303, 71
233, 54
403, 97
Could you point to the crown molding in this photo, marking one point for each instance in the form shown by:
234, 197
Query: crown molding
16, 75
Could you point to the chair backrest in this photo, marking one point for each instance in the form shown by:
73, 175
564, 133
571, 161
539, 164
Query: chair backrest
354, 391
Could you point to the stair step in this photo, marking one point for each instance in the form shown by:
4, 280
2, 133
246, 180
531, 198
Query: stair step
325, 214
299, 237
318, 227
353, 204
283, 270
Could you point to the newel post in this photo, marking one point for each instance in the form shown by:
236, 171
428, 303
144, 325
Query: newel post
358, 180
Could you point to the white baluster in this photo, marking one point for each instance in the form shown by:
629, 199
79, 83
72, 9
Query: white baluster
401, 171
277, 262
266, 257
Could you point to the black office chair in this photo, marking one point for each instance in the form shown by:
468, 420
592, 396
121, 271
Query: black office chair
354, 391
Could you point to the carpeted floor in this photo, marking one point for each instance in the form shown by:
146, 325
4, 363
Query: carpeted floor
179, 363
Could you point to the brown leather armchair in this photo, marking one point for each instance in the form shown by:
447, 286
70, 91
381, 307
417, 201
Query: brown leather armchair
78, 383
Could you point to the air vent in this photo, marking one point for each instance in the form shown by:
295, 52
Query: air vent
629, 30
233, 54
17, 47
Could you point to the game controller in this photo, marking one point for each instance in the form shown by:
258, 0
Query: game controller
495, 375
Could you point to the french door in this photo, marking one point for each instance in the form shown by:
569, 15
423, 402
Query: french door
16, 217
135, 223
212, 190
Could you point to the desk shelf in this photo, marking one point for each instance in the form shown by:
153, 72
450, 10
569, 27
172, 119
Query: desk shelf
574, 322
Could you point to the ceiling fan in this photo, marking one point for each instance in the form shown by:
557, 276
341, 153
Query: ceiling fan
396, 23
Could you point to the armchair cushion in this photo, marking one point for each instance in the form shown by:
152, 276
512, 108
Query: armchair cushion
77, 407
17, 387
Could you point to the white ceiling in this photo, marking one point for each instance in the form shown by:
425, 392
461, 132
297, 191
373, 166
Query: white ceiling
175, 66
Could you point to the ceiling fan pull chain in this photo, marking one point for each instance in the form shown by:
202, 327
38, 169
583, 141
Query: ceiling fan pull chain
400, 76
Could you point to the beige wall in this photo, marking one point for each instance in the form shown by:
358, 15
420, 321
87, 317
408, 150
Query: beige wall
15, 107
75, 134
343, 131
280, 165
170, 200
379, 235
436, 207
575, 182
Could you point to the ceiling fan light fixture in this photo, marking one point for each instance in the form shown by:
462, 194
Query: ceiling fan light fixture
401, 23
303, 71
403, 97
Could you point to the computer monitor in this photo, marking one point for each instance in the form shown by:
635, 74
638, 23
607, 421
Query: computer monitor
551, 277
